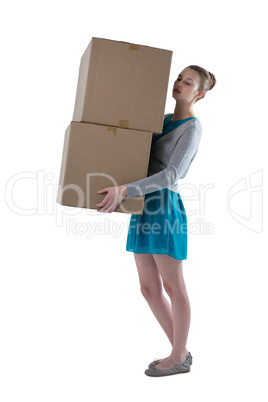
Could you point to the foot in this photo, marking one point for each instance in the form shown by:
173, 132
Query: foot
166, 358
171, 361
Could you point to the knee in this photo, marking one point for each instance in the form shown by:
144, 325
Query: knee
174, 290
151, 292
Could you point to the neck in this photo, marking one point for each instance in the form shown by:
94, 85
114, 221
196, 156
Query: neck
183, 111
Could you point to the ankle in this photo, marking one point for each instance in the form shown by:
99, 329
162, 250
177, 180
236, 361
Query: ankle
181, 354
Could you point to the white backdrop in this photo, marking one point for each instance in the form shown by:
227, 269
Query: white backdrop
74, 325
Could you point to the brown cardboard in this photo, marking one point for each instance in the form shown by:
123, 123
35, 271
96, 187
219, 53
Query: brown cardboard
98, 151
122, 84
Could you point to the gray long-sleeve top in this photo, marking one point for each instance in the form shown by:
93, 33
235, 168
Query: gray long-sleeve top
170, 158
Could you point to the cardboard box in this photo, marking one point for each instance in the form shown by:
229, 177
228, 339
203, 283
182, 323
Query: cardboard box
97, 156
122, 84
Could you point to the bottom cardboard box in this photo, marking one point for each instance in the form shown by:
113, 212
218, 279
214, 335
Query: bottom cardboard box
97, 156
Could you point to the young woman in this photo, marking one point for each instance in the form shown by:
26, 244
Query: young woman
158, 237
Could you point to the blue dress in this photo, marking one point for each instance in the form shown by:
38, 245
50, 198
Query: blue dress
162, 228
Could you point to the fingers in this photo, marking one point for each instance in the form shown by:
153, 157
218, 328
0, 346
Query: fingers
109, 208
109, 203
103, 202
106, 204
103, 190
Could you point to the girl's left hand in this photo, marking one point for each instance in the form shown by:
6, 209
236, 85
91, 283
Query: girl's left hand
115, 195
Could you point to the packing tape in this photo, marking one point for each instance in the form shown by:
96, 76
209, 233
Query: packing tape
113, 129
123, 123
133, 47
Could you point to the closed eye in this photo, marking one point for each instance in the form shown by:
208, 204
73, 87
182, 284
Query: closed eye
178, 79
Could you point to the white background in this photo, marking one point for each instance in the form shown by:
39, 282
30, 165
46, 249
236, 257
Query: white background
74, 325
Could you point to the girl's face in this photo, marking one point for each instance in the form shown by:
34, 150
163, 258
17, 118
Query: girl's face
186, 86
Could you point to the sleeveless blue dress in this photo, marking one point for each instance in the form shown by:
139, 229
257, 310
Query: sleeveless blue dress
162, 228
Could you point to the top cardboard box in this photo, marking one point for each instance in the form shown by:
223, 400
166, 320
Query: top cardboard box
122, 84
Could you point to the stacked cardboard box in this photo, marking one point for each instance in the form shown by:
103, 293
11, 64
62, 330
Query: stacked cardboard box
120, 102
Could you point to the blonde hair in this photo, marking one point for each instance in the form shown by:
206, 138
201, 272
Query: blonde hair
207, 79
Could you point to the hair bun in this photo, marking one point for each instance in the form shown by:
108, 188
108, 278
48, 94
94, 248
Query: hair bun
212, 80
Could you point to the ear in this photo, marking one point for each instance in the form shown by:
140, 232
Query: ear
202, 93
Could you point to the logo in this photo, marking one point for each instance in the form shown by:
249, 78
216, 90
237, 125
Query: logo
245, 201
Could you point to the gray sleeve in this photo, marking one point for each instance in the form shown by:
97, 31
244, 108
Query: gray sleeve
180, 159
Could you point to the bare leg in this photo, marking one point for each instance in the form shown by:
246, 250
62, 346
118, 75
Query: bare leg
171, 271
152, 290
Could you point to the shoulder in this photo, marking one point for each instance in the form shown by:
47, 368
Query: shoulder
192, 132
191, 128
194, 125
190, 124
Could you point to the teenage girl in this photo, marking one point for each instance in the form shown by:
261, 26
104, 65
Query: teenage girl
158, 237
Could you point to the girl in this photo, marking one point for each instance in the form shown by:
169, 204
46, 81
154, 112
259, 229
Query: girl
158, 237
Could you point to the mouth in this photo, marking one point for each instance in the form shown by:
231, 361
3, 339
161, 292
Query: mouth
176, 90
